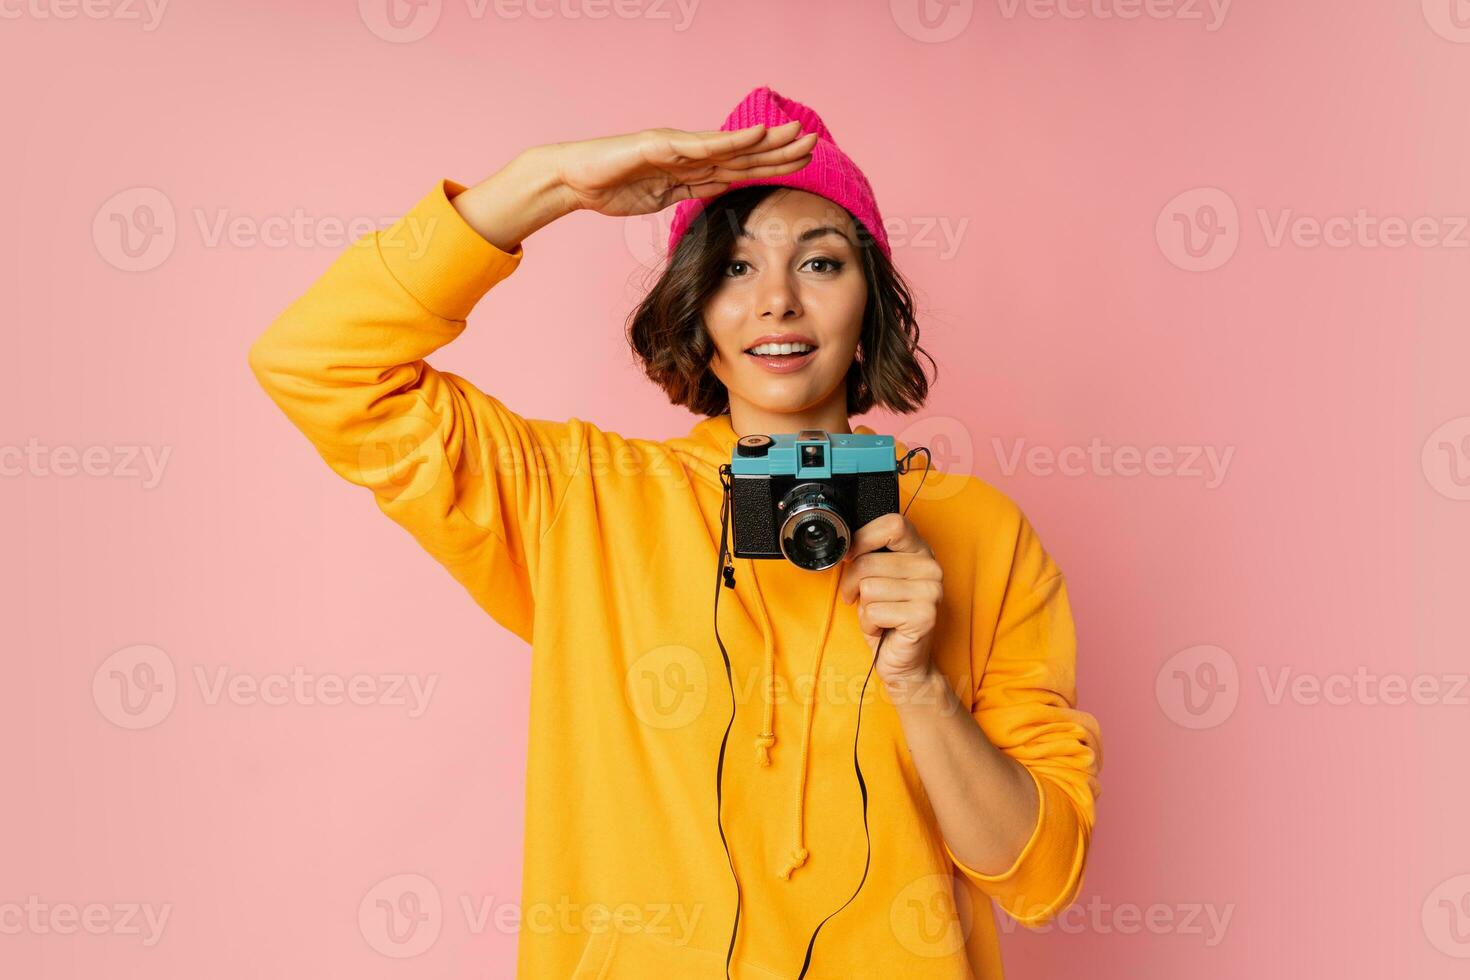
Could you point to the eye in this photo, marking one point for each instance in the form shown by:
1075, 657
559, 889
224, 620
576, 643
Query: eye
834, 265
732, 264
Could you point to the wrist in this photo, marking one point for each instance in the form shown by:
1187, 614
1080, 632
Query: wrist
508, 206
921, 685
543, 169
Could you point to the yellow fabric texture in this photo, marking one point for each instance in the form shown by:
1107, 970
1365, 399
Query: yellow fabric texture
600, 551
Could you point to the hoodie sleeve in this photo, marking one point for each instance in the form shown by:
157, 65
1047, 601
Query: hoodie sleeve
1026, 703
476, 484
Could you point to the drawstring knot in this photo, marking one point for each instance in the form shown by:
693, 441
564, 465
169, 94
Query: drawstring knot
798, 858
763, 743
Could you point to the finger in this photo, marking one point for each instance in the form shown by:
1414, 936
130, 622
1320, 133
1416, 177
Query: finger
683, 192
770, 136
892, 531
782, 154
724, 173
884, 588
777, 139
720, 144
914, 618
885, 564
719, 180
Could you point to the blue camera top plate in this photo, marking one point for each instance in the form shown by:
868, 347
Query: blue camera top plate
843, 452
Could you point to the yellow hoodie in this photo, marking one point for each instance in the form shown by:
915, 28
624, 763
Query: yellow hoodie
600, 551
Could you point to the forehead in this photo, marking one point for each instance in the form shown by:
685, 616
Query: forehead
783, 216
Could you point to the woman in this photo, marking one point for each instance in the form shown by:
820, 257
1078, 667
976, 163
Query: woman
599, 550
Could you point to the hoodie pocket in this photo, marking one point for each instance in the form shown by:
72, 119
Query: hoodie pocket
640, 955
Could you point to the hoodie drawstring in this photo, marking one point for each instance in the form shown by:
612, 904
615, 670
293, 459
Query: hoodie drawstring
767, 737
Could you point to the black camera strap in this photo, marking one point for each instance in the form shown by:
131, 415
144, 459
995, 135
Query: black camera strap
726, 577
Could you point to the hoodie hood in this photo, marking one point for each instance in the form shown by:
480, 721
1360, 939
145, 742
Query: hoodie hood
706, 448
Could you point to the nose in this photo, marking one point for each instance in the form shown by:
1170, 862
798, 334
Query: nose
777, 299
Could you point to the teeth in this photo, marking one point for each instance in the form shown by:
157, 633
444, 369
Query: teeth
781, 348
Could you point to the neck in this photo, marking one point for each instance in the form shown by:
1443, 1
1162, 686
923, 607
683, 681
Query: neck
830, 416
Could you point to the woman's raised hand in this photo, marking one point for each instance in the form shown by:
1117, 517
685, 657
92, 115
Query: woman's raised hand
646, 171
636, 173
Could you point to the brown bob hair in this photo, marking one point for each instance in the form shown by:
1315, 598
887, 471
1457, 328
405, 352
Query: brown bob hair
667, 333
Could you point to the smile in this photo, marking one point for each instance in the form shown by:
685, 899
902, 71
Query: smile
781, 363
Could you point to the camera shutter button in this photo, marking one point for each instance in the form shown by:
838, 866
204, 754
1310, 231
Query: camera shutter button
754, 445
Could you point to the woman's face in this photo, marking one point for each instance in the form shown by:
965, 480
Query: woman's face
796, 270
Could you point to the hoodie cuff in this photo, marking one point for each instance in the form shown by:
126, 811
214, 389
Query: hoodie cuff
1046, 875
437, 256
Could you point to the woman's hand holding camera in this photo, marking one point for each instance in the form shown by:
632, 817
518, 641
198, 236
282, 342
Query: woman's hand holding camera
897, 590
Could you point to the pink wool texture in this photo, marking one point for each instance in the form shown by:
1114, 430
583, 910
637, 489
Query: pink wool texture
831, 173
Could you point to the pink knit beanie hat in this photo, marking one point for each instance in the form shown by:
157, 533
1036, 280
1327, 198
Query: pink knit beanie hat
831, 173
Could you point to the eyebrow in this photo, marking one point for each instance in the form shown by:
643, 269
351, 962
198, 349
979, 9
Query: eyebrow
809, 234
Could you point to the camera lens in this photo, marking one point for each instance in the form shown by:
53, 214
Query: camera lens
814, 536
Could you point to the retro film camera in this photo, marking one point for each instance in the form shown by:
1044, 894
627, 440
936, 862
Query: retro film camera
801, 497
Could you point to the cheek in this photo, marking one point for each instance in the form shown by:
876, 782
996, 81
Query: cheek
722, 319
843, 314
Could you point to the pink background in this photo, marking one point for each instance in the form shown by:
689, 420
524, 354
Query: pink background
1063, 157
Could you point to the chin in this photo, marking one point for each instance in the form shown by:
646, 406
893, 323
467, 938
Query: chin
785, 402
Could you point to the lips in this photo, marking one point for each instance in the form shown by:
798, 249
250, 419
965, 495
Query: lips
780, 338
783, 363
